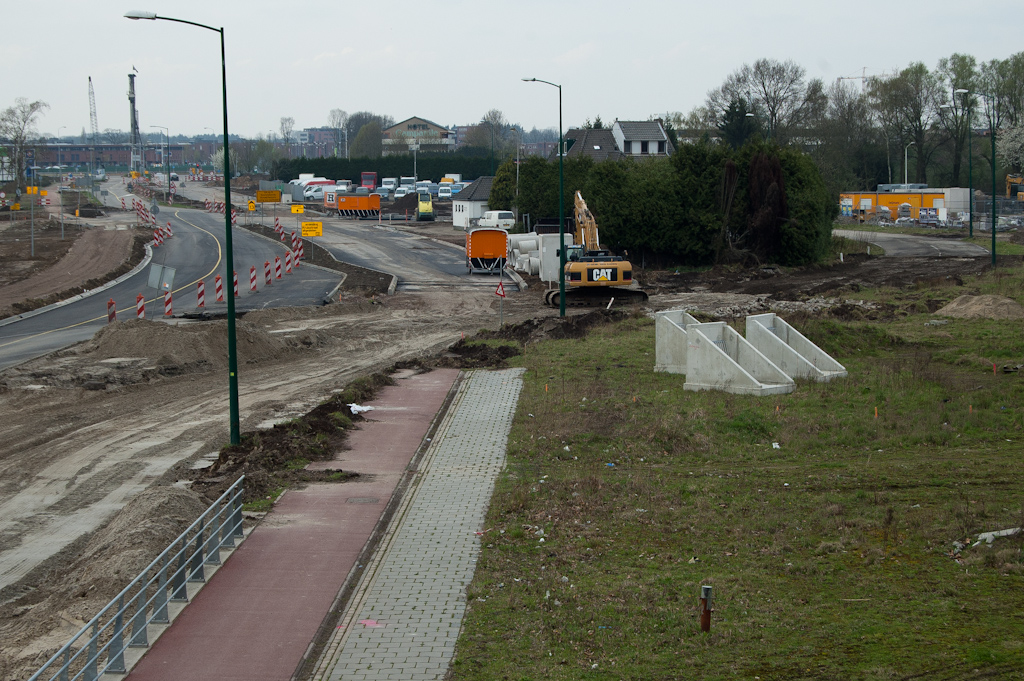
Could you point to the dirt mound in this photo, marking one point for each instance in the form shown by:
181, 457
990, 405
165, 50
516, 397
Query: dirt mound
39, 622
409, 202
470, 355
983, 307
557, 328
186, 347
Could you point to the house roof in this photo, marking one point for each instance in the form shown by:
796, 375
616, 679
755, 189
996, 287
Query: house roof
642, 130
478, 190
597, 144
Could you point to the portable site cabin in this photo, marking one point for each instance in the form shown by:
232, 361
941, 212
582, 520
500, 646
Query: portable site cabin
351, 205
486, 250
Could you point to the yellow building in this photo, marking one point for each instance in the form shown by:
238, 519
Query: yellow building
867, 203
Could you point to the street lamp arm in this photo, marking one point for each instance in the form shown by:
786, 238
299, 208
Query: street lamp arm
152, 16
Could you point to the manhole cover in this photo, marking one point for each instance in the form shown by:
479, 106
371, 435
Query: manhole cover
362, 500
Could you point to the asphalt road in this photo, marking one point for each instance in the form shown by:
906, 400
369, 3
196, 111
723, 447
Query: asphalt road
196, 252
907, 245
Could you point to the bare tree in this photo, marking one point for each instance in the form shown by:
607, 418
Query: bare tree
907, 105
336, 120
958, 72
287, 125
112, 136
18, 126
776, 91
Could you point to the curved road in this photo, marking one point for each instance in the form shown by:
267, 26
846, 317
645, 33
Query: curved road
909, 245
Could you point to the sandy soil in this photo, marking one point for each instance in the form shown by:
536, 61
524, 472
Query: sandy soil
88, 429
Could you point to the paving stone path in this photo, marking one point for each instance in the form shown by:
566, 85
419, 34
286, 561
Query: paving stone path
406, 614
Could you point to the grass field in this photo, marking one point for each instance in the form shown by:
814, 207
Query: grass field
826, 532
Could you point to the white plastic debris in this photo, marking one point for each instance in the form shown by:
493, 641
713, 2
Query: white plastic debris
359, 409
775, 445
989, 537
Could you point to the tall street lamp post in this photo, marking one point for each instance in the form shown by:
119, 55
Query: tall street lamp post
229, 264
905, 161
970, 162
561, 201
992, 134
167, 165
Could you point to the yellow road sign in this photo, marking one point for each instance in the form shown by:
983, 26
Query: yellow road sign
42, 193
252, 206
31, 190
312, 229
16, 206
269, 196
298, 209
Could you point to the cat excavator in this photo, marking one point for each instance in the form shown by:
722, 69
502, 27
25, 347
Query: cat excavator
593, 276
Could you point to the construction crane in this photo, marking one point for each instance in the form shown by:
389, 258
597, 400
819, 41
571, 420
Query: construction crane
92, 122
863, 78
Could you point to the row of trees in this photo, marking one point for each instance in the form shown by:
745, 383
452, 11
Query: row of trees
858, 132
708, 203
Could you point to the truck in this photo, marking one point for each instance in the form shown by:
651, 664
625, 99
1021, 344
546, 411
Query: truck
504, 219
368, 180
389, 183
407, 182
451, 177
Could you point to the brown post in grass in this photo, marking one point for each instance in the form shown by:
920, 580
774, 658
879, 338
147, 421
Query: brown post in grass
705, 608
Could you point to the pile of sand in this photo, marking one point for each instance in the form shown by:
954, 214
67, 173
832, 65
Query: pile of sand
185, 345
983, 307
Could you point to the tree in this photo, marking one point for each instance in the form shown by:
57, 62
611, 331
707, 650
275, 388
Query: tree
959, 71
18, 125
217, 159
1010, 147
907, 104
360, 118
112, 136
287, 125
598, 124
367, 143
738, 124
775, 91
337, 119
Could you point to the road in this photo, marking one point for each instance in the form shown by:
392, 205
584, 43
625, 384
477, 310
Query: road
908, 245
196, 252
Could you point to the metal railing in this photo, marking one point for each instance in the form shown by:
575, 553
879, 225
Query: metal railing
145, 600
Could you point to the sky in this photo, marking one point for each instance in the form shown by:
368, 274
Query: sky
450, 62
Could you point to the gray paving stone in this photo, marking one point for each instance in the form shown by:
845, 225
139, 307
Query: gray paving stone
417, 595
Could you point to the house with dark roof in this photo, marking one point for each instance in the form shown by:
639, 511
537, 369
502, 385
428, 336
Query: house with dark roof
471, 202
417, 131
597, 144
642, 138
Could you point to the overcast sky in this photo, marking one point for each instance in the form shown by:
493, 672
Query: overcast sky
452, 61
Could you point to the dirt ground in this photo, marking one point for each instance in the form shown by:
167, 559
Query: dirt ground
96, 435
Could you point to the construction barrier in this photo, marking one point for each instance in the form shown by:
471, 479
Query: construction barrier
111, 311
157, 238
234, 218
235, 277
169, 231
288, 262
277, 267
167, 303
302, 250
140, 306
218, 286
277, 225
122, 204
266, 273
295, 246
252, 278
201, 294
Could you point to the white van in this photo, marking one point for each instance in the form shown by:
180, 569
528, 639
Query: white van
315, 192
505, 219
389, 183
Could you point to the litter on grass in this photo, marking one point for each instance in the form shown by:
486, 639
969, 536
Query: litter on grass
359, 409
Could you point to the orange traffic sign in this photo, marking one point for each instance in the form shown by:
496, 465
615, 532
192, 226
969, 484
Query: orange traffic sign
298, 209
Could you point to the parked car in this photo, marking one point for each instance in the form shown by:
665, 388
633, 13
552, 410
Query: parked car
382, 192
444, 191
362, 191
433, 188
402, 191
457, 187
314, 193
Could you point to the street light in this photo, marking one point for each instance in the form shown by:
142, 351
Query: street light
992, 134
228, 256
167, 167
970, 162
561, 201
60, 170
905, 161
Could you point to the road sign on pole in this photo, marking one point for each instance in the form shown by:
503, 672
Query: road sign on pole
500, 291
268, 196
298, 209
252, 205
312, 229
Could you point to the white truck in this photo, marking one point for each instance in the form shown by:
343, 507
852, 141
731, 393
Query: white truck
452, 177
389, 183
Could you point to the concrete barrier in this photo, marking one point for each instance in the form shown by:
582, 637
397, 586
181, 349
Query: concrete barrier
719, 358
670, 341
790, 350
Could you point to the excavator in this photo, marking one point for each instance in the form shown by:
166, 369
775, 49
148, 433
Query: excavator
593, 276
1014, 187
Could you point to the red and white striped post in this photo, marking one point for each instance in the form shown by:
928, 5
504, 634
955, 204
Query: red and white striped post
294, 245
122, 204
236, 283
157, 238
277, 224
288, 262
111, 311
218, 287
266, 273
302, 250
167, 303
140, 306
201, 293
277, 266
234, 218
284, 235
169, 231
252, 278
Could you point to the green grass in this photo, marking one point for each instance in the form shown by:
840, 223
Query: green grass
263, 505
830, 556
1003, 247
